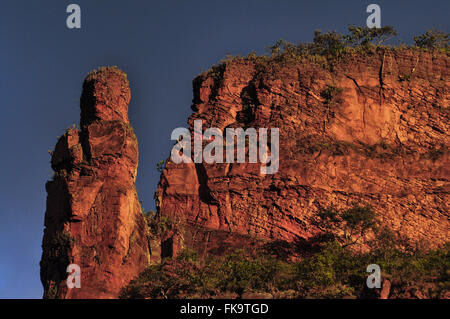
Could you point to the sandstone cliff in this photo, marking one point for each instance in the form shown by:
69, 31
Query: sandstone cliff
371, 129
93, 217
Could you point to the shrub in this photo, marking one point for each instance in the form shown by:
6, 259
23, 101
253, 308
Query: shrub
160, 166
59, 244
330, 92
363, 36
242, 273
432, 39
188, 254
158, 225
329, 44
276, 48
332, 272
326, 48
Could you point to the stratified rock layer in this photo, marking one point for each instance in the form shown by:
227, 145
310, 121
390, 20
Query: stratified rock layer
371, 130
93, 216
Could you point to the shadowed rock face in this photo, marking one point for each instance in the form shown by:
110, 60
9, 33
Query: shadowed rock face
372, 131
93, 217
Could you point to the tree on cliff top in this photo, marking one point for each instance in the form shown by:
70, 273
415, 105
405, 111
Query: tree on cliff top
363, 36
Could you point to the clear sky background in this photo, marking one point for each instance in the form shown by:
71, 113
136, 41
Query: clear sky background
162, 46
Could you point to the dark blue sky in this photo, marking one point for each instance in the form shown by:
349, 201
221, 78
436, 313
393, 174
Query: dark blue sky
161, 45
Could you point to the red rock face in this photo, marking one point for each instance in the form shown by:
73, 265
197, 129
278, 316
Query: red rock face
374, 130
93, 216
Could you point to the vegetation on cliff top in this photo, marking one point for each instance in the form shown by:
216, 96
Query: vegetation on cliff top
332, 272
101, 73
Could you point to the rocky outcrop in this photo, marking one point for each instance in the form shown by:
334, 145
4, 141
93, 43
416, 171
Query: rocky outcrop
93, 217
371, 129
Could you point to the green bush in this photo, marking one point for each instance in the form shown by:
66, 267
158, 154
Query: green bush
158, 225
329, 47
432, 40
349, 226
332, 44
276, 48
59, 245
160, 166
333, 264
188, 255
330, 92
